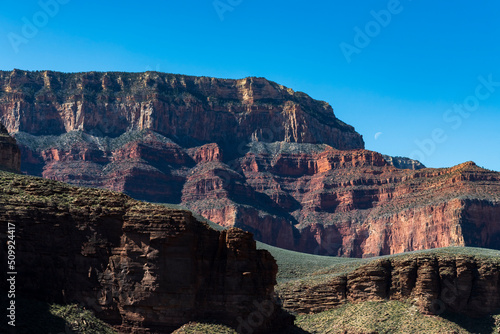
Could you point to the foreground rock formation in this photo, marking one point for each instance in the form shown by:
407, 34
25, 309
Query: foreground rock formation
140, 267
247, 153
434, 283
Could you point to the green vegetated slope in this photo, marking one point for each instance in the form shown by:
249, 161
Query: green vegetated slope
201, 328
296, 266
391, 317
373, 317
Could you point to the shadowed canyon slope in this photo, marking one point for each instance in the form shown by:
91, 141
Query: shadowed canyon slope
140, 267
248, 153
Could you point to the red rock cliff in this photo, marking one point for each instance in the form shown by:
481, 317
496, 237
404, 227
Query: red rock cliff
349, 203
190, 109
247, 153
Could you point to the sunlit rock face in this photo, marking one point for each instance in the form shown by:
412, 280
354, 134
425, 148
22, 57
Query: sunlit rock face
248, 153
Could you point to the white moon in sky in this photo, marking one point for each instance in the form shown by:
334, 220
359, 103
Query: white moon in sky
377, 135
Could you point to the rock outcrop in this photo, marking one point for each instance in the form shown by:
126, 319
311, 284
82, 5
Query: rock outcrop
140, 267
247, 153
404, 163
434, 283
10, 156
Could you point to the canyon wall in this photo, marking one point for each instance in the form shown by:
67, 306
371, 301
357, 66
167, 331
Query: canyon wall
140, 267
247, 153
350, 203
193, 110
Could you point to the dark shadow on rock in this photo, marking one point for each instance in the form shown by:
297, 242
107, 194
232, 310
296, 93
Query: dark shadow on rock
480, 325
294, 330
33, 316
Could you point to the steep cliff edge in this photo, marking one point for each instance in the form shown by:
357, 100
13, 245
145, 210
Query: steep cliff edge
348, 203
140, 267
193, 110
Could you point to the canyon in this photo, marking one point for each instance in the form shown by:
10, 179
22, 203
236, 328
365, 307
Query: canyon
246, 153
116, 255
141, 268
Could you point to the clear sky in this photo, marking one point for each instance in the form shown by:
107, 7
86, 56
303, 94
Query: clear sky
417, 78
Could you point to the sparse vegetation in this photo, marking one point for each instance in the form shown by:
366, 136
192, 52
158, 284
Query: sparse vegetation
387, 317
40, 318
69, 139
370, 317
80, 320
294, 265
204, 328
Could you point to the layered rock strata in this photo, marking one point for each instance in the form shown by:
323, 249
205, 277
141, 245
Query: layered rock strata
247, 153
193, 110
404, 163
435, 284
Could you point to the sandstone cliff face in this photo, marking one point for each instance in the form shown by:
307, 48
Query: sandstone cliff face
10, 156
349, 203
434, 283
296, 196
247, 153
140, 267
194, 110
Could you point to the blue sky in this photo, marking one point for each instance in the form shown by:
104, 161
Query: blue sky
416, 78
